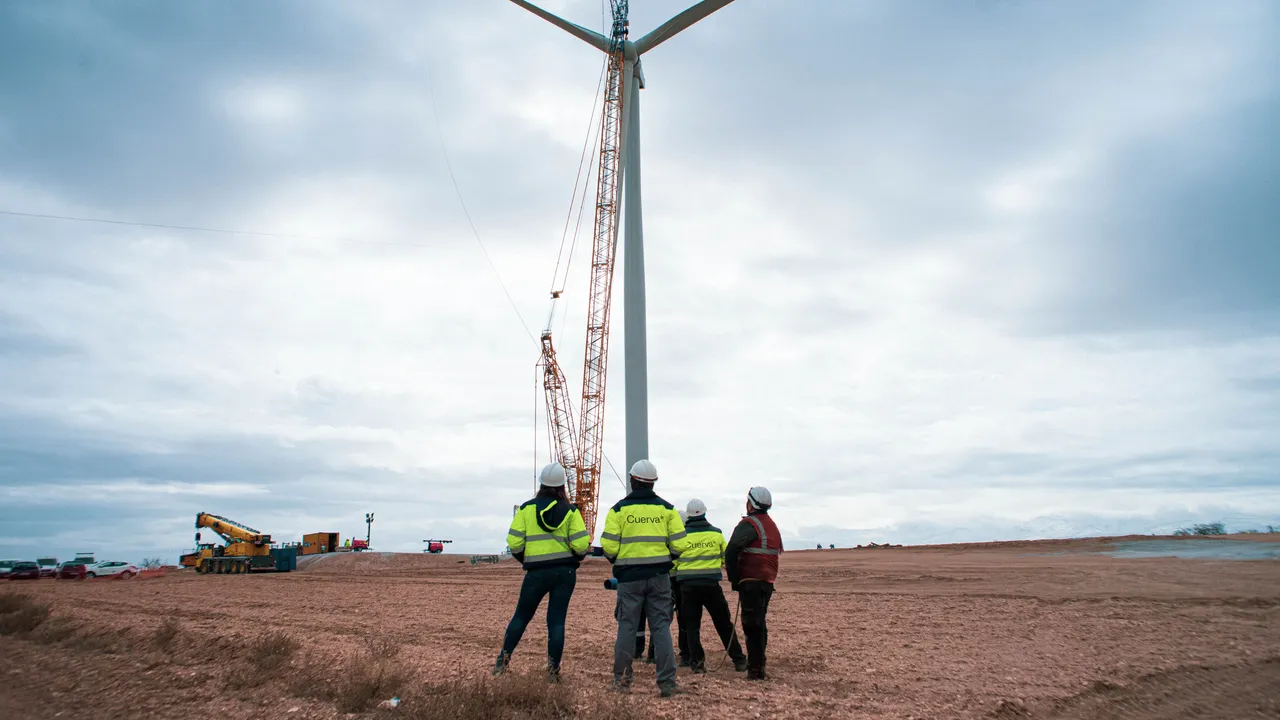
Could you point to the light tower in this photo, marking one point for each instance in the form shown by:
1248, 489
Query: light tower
636, 392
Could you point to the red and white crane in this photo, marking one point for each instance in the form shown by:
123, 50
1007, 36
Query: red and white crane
582, 454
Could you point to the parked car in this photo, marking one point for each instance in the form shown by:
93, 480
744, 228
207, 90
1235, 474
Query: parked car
48, 566
73, 570
111, 567
5, 567
24, 570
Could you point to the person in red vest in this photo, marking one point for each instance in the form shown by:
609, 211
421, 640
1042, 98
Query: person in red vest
751, 562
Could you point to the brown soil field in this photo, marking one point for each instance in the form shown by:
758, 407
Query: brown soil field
979, 631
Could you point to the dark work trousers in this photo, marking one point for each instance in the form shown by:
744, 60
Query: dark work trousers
696, 596
754, 596
651, 599
682, 642
558, 582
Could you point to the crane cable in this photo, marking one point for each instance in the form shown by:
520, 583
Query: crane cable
585, 184
567, 260
458, 191
605, 23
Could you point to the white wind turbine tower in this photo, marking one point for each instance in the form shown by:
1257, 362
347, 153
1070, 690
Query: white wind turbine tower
636, 393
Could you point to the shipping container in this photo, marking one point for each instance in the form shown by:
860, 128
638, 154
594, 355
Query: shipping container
322, 542
286, 558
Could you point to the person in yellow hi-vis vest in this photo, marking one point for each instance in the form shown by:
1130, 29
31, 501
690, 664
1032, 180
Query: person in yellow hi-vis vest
699, 576
642, 534
550, 540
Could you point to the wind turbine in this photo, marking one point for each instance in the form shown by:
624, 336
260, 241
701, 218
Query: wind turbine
635, 359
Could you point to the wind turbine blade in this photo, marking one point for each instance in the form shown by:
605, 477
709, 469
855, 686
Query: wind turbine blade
590, 37
672, 27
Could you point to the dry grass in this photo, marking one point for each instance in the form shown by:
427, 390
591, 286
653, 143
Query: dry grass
266, 658
109, 641
12, 602
164, 635
272, 652
54, 630
357, 682
19, 614
512, 696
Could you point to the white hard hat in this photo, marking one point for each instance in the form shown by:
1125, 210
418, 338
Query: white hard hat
552, 475
644, 470
759, 497
696, 508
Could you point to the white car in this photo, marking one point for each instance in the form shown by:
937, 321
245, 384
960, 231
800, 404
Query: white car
108, 568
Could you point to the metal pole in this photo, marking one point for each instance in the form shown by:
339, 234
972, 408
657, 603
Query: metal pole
633, 298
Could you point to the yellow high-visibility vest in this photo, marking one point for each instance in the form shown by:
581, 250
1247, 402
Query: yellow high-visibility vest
526, 535
705, 555
643, 529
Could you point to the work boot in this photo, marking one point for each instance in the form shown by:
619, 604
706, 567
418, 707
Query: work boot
553, 672
740, 665
500, 666
620, 684
756, 674
698, 668
668, 689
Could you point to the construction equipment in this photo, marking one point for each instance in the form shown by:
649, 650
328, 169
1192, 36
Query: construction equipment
581, 459
245, 549
435, 546
319, 542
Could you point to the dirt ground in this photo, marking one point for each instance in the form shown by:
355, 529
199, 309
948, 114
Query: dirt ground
1013, 630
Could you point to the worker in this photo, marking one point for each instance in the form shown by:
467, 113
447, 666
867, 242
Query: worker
698, 572
550, 540
642, 533
682, 642
751, 561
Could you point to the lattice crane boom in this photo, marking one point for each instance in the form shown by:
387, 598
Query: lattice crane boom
559, 412
581, 454
603, 254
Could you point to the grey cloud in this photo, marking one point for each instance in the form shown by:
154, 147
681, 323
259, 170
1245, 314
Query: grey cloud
907, 116
1145, 471
1184, 231
873, 140
260, 481
21, 340
119, 110
1067, 525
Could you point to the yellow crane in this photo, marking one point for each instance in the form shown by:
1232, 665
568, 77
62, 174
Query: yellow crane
245, 549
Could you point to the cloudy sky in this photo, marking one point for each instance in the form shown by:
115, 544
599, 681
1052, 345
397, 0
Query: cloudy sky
929, 271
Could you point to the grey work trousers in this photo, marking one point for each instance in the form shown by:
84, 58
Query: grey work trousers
652, 599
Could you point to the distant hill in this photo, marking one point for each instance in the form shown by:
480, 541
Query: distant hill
1040, 528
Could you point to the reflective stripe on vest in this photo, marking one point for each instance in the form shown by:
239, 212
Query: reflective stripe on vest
760, 562
703, 558
764, 538
541, 546
644, 547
